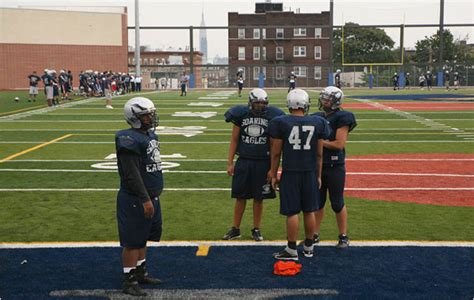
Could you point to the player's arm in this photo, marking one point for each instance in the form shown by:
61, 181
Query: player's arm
340, 142
234, 141
319, 160
275, 154
133, 179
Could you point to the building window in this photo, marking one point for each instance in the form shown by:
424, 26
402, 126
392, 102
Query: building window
300, 71
299, 31
241, 34
133, 60
299, 51
280, 33
256, 72
318, 33
256, 53
280, 72
264, 53
241, 53
318, 73
279, 53
157, 61
317, 52
256, 33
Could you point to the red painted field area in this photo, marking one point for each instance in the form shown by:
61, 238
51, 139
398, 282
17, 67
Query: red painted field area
439, 179
410, 106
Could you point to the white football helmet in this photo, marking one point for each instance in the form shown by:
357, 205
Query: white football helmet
298, 99
338, 71
136, 107
258, 96
333, 94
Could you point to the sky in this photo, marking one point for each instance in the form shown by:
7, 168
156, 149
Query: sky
188, 13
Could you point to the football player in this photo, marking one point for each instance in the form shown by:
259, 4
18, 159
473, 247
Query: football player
138, 200
337, 78
291, 81
33, 81
299, 138
421, 81
429, 80
240, 81
407, 81
250, 141
395, 79
183, 81
456, 80
341, 122
446, 78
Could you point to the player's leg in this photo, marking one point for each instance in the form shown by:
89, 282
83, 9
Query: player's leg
154, 227
336, 183
290, 206
257, 219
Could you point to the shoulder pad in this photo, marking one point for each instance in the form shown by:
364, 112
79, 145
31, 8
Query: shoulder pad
273, 111
125, 140
236, 113
346, 118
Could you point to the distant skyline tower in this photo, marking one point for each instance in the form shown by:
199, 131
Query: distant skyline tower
203, 40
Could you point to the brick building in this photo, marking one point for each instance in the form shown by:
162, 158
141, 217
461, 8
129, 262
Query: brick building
72, 39
280, 42
166, 64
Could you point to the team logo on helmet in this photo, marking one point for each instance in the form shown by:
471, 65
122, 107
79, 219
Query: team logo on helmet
139, 106
332, 94
258, 101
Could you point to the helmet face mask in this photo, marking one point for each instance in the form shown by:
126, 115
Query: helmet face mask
258, 102
330, 99
140, 113
298, 99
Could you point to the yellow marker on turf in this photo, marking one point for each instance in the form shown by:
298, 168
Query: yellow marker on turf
35, 148
203, 250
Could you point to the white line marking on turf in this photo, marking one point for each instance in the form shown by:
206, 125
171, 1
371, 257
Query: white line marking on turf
218, 159
427, 122
224, 172
354, 243
228, 189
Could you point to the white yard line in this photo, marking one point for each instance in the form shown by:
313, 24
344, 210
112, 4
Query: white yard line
409, 116
224, 172
354, 243
218, 159
226, 189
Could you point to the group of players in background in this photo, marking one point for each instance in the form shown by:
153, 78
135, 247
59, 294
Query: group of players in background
59, 86
427, 80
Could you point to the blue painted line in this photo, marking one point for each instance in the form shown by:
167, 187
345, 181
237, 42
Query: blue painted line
357, 272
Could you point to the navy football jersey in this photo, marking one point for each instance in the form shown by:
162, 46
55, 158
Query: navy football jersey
148, 148
300, 135
337, 120
254, 142
34, 79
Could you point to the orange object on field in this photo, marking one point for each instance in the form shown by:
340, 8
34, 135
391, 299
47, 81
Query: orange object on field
286, 268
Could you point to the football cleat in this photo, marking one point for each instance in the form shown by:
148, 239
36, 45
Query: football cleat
286, 254
257, 235
343, 241
232, 234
